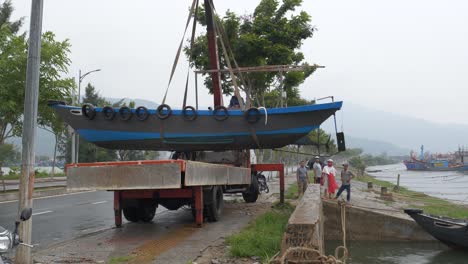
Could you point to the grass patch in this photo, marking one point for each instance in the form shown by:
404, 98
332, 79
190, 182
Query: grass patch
292, 192
118, 260
430, 205
262, 237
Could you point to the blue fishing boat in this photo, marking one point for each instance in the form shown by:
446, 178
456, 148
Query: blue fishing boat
194, 130
427, 162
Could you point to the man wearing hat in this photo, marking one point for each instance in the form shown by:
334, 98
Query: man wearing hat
346, 177
317, 167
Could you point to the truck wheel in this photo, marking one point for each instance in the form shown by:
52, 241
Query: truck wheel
251, 194
147, 212
214, 204
131, 214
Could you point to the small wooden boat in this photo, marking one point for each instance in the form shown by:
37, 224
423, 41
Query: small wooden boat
194, 130
452, 232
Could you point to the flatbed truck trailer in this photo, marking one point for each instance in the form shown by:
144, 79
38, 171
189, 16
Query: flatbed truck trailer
141, 186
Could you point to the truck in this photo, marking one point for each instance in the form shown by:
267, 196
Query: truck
139, 187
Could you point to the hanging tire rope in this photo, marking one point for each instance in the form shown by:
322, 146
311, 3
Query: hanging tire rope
252, 115
218, 110
142, 113
163, 108
189, 113
125, 113
88, 111
108, 112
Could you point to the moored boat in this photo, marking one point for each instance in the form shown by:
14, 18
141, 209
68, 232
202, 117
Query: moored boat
452, 232
440, 162
194, 130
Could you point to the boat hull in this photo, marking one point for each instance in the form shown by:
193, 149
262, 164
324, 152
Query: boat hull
275, 128
452, 232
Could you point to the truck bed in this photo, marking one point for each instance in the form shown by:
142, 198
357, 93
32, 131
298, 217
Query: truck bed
158, 174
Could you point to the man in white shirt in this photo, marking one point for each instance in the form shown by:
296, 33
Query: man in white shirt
317, 167
327, 170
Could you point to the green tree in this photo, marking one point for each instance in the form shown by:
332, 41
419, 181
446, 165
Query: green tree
8, 156
6, 10
358, 163
272, 35
13, 61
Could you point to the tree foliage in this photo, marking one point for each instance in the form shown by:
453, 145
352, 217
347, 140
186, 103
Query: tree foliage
13, 61
6, 10
9, 154
272, 35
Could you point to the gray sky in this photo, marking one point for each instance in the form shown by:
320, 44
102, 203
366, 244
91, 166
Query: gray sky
400, 56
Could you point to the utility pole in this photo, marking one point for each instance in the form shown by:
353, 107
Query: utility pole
23, 254
76, 138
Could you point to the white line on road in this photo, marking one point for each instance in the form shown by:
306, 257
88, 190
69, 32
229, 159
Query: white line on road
50, 196
44, 212
101, 202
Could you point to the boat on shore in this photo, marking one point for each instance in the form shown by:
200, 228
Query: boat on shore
452, 232
439, 162
189, 129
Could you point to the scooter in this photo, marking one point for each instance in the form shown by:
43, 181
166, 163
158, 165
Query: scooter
9, 240
262, 183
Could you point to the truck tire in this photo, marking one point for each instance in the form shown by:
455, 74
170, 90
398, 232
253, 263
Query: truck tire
131, 214
214, 203
147, 212
251, 194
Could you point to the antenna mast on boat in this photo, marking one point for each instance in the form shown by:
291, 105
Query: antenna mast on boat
213, 54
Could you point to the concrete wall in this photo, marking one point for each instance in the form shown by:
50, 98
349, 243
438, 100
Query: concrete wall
370, 225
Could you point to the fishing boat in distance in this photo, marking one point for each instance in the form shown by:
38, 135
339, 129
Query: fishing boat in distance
194, 130
452, 232
437, 162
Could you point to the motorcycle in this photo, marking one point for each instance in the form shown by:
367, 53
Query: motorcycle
9, 240
262, 183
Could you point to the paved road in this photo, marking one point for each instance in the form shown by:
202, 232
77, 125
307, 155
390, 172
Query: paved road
61, 218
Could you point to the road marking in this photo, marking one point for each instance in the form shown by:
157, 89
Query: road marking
50, 196
101, 202
44, 212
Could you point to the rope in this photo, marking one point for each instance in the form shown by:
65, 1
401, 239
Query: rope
176, 59
343, 230
266, 113
192, 40
316, 256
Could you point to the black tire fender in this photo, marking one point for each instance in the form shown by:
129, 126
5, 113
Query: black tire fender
252, 115
142, 113
88, 111
108, 112
218, 110
125, 113
187, 116
161, 108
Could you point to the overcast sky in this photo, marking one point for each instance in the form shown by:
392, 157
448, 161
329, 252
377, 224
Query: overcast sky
400, 56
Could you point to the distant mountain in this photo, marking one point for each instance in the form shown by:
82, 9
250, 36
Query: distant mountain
138, 102
375, 147
401, 131
374, 131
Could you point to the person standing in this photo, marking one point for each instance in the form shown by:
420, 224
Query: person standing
302, 178
317, 167
346, 177
329, 183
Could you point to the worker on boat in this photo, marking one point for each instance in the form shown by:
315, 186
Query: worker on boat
302, 178
234, 103
317, 167
346, 176
328, 178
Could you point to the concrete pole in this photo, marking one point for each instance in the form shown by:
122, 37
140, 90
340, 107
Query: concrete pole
23, 254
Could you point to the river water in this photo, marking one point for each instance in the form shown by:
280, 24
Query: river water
448, 185
370, 252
